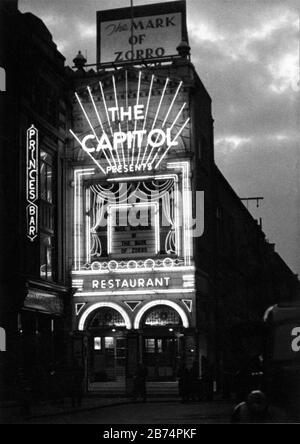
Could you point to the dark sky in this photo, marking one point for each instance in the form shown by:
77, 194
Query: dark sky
247, 55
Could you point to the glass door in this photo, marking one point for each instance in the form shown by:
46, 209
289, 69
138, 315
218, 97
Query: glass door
160, 357
104, 358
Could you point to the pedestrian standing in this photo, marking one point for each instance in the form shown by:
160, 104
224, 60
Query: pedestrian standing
139, 383
194, 382
208, 380
77, 377
184, 383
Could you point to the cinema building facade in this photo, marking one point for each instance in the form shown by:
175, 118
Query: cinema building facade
169, 267
141, 251
132, 205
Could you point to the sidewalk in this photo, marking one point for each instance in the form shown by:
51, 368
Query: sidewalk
10, 411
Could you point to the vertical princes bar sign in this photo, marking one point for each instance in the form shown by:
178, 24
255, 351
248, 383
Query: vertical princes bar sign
32, 186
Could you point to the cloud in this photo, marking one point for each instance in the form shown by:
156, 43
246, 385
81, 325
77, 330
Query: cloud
87, 30
203, 32
52, 20
230, 143
285, 72
62, 45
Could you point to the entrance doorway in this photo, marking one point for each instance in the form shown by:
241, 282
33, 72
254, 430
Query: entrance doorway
108, 363
108, 345
162, 345
161, 357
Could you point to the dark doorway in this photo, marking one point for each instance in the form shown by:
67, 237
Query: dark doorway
108, 359
108, 345
161, 344
160, 357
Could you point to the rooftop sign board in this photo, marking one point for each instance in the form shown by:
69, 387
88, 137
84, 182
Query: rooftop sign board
141, 32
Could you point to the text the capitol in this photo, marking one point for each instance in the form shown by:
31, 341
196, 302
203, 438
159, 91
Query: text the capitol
155, 138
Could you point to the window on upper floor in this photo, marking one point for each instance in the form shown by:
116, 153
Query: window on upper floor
46, 177
46, 256
47, 215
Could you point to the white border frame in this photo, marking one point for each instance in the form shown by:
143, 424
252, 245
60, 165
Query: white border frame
184, 244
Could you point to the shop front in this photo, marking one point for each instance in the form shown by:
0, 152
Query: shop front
41, 330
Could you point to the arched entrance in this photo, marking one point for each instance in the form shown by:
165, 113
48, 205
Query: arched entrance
107, 326
161, 341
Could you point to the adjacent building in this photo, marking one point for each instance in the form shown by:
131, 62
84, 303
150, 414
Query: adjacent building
34, 112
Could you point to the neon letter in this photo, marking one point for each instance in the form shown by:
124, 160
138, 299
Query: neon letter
119, 137
84, 140
169, 141
157, 142
138, 112
124, 113
104, 143
95, 284
113, 113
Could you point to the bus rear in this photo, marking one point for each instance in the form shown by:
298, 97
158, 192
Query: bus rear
282, 357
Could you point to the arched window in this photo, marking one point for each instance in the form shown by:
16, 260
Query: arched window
161, 316
106, 317
2, 80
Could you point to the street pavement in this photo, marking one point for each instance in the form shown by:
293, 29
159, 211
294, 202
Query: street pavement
152, 412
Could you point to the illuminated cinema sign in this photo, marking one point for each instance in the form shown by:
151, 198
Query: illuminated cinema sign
174, 282
157, 282
32, 161
143, 32
154, 138
132, 138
